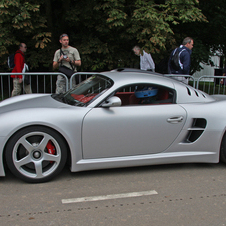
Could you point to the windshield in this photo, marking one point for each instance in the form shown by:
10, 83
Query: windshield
86, 92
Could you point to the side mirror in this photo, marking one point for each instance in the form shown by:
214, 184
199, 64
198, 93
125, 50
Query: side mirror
112, 102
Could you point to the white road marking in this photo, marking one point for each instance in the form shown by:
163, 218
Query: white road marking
106, 197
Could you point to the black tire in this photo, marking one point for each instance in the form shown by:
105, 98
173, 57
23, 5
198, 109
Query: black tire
28, 157
223, 149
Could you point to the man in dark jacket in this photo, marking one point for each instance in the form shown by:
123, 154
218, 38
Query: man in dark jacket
185, 51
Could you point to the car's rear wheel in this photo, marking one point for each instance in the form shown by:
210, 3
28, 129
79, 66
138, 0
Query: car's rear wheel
36, 154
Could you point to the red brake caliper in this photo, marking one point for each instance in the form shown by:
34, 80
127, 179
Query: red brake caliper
51, 148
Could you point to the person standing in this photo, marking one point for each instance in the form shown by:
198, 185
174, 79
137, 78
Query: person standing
146, 61
19, 61
67, 56
184, 53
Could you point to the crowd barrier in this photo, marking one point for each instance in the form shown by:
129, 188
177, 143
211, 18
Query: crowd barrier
212, 84
42, 82
208, 83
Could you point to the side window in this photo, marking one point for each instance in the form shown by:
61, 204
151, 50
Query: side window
145, 94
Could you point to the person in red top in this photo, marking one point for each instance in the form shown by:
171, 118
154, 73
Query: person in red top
19, 62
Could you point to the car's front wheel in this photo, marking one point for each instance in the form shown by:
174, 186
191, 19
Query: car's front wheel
223, 149
36, 154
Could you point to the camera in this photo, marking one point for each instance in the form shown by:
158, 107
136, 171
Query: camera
65, 56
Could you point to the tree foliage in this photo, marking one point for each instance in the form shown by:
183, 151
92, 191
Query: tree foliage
104, 31
21, 21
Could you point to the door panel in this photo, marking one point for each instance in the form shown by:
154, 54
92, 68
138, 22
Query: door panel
130, 130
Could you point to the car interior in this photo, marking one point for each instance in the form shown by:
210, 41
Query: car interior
128, 95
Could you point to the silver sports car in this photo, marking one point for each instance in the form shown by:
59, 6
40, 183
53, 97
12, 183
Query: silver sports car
112, 119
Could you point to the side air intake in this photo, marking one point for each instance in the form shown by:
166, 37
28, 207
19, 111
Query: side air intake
198, 127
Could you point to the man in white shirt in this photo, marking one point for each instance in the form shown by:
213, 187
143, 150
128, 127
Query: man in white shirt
146, 61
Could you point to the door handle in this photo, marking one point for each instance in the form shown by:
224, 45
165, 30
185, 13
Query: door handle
175, 119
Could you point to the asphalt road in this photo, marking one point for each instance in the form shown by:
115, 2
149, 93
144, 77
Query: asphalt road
182, 194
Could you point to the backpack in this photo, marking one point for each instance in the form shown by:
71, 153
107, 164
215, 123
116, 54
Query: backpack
175, 59
11, 64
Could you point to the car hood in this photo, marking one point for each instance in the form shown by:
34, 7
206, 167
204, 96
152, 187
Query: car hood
30, 101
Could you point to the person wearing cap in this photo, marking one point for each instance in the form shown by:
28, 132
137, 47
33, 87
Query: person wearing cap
67, 56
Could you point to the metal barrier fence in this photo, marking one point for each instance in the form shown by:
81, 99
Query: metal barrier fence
45, 82
40, 83
212, 84
208, 83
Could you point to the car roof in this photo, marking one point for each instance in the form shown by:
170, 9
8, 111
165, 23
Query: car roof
139, 76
